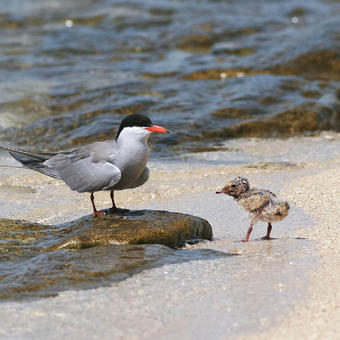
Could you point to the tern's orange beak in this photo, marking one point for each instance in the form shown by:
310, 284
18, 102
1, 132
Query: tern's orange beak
156, 128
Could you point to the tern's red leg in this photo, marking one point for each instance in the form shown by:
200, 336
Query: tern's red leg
114, 208
269, 229
95, 211
246, 239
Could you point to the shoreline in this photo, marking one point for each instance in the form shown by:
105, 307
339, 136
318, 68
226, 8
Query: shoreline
213, 297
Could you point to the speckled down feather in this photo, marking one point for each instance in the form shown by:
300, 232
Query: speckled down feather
262, 204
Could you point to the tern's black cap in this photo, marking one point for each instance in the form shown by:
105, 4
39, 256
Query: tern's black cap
134, 120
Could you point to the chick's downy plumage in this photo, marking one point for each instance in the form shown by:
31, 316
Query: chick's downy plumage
262, 204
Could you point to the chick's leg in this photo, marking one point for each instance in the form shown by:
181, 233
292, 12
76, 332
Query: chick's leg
269, 229
250, 229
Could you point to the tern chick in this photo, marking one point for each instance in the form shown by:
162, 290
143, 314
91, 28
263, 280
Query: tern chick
263, 205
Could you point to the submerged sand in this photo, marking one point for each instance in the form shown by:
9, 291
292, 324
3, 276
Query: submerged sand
284, 288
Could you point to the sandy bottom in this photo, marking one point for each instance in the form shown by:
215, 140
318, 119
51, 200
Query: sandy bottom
278, 289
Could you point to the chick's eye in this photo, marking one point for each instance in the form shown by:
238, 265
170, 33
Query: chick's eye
233, 185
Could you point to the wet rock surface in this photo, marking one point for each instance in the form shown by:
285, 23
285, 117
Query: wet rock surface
135, 227
40, 260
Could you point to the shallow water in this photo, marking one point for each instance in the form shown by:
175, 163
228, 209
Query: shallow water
209, 70
40, 260
28, 273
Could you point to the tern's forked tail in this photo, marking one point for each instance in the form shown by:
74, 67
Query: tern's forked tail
32, 160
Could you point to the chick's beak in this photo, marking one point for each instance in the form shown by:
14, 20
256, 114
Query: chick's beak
156, 128
221, 191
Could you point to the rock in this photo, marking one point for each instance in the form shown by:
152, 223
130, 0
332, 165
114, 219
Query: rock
304, 118
196, 43
131, 227
222, 73
134, 227
40, 260
317, 65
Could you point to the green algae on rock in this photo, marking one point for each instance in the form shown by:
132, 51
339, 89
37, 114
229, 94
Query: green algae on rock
233, 112
321, 65
218, 73
301, 119
196, 43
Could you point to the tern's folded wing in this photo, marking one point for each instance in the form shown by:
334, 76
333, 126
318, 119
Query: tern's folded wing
85, 174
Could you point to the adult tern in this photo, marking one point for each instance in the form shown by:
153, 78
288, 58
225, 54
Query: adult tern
111, 165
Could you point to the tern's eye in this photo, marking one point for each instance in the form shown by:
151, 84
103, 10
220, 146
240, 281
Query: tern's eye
233, 186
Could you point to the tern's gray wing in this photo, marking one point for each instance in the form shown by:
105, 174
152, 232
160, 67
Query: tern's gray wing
140, 181
87, 169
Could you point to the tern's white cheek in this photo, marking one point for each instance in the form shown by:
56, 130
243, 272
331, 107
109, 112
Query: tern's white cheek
134, 133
